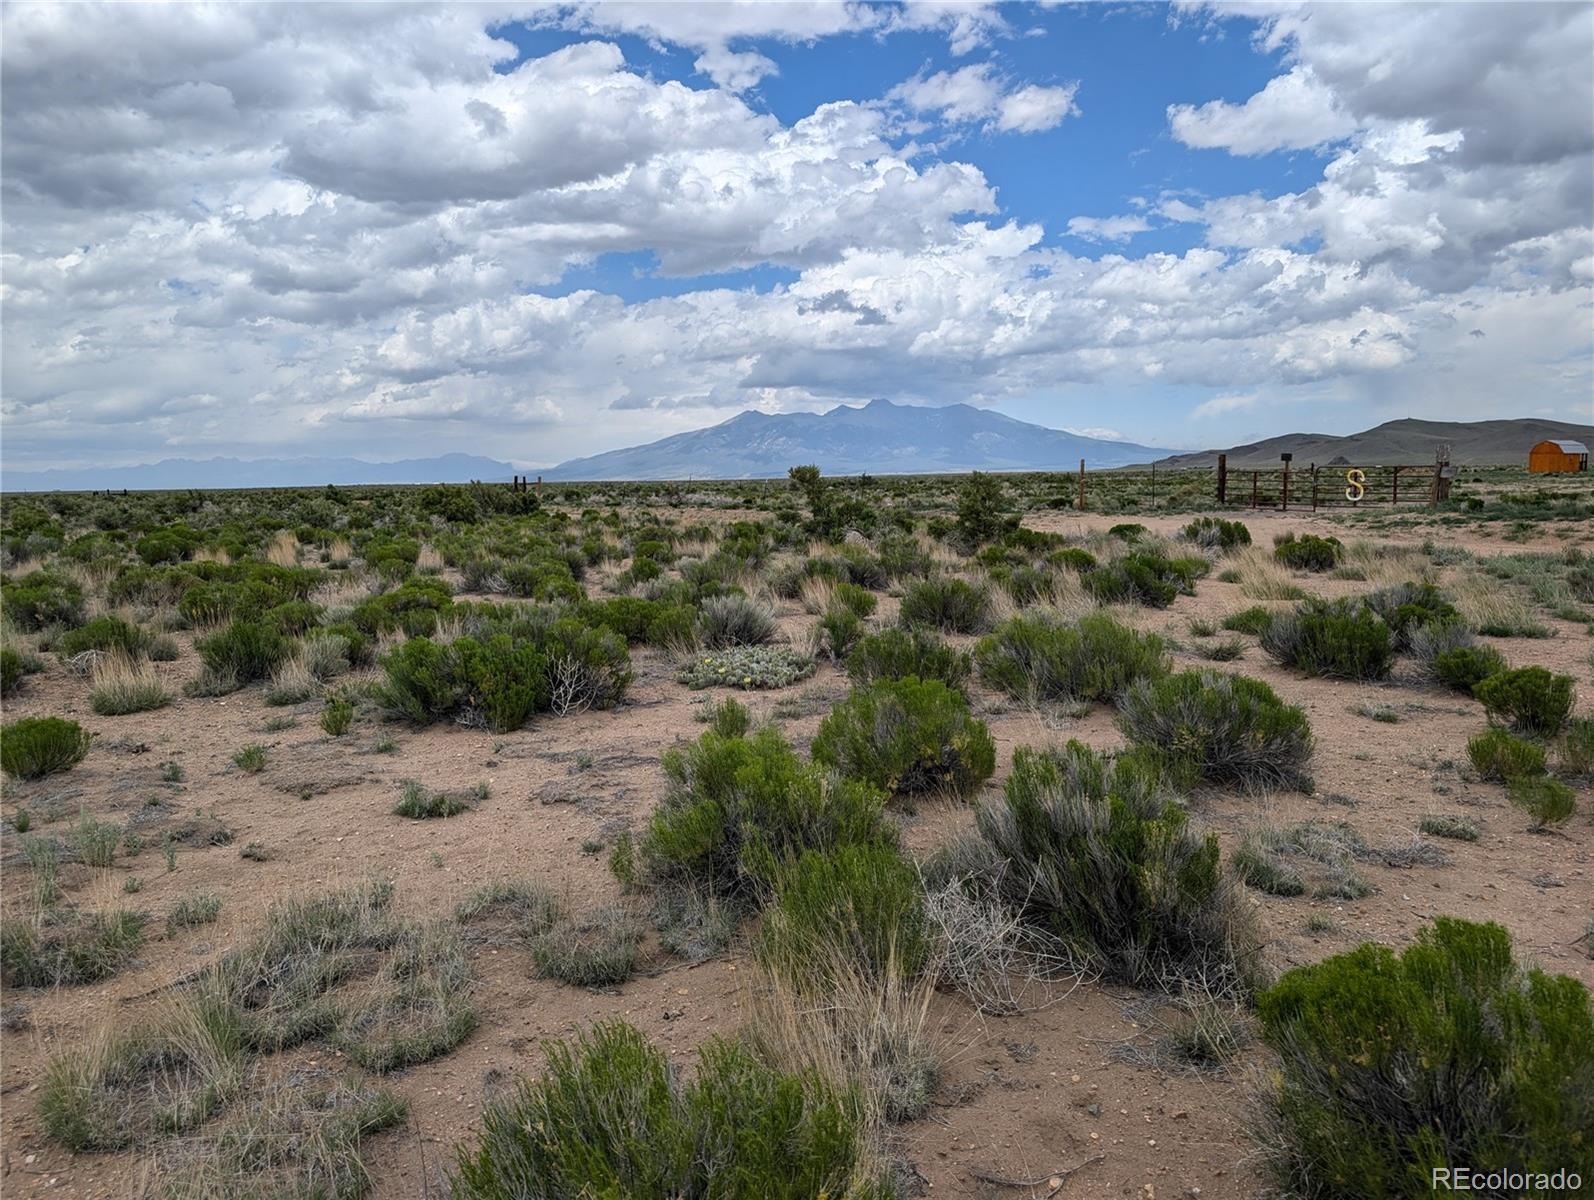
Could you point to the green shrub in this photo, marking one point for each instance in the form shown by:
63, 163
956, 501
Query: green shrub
1098, 855
729, 719
420, 684
611, 1117
1253, 620
736, 808
587, 667
841, 628
336, 716
1575, 751
1308, 552
982, 504
11, 671
1337, 639
504, 681
42, 598
857, 600
1143, 577
1206, 725
1548, 801
1496, 754
251, 760
734, 620
1039, 658
1215, 533
907, 736
747, 667
1467, 666
864, 903
1531, 699
1448, 1054
104, 634
898, 653
33, 747
243, 652
945, 603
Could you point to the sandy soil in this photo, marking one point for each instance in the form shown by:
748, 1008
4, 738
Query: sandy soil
1023, 1096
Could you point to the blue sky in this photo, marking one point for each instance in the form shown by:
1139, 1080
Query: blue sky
542, 231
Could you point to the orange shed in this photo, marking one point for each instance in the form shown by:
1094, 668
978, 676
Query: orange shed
1554, 455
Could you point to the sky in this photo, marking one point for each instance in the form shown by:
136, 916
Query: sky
534, 232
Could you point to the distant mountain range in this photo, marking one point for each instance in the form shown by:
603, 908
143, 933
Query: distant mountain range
1472, 443
879, 438
259, 472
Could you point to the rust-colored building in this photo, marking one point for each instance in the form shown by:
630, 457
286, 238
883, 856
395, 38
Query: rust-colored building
1557, 455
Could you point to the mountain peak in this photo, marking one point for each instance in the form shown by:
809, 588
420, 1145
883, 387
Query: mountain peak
880, 437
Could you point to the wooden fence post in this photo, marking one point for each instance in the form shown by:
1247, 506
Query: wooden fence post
1223, 478
1153, 486
1081, 485
1394, 488
1314, 487
1253, 489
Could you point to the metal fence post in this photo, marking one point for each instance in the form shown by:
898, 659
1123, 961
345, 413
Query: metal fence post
1223, 479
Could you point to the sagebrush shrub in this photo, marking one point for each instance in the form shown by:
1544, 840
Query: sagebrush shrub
1207, 725
898, 653
1497, 754
1448, 1053
33, 747
1215, 533
1532, 700
1337, 639
1307, 551
736, 808
1406, 607
1040, 658
611, 1117
907, 736
1464, 667
734, 620
948, 604
1097, 854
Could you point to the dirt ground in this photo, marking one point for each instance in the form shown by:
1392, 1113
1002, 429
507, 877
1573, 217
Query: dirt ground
1022, 1097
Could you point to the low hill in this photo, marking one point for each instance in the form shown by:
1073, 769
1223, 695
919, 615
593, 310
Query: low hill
879, 438
1472, 443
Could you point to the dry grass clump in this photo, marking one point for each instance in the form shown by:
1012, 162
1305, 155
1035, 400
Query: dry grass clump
128, 1087
339, 966
297, 1138
283, 549
1261, 577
